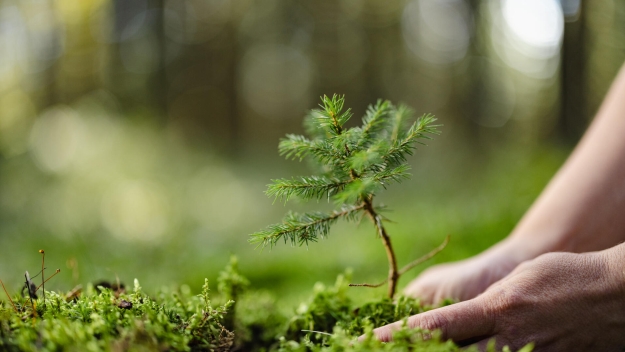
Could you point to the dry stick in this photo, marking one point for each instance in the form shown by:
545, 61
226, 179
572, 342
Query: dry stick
409, 266
5, 291
43, 281
48, 279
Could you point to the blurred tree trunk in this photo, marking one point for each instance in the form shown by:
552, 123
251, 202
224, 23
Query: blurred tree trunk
157, 83
232, 123
574, 117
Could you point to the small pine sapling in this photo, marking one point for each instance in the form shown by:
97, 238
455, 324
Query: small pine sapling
356, 163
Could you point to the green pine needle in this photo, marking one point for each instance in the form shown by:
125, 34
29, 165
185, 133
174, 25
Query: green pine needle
299, 147
401, 148
370, 158
305, 187
302, 228
358, 162
396, 174
375, 121
357, 190
332, 117
401, 117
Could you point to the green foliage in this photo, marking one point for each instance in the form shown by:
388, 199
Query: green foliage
259, 322
329, 322
302, 228
357, 163
323, 311
230, 282
104, 320
330, 308
404, 340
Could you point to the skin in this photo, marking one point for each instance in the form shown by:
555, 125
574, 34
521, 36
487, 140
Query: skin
558, 279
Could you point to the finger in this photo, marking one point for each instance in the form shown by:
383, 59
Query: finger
461, 321
424, 293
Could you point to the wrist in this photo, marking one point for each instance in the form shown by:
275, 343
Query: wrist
613, 260
538, 233
516, 249
508, 253
536, 238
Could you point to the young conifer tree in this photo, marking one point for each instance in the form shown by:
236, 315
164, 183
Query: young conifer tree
356, 163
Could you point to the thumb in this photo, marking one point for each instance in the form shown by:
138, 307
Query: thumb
462, 321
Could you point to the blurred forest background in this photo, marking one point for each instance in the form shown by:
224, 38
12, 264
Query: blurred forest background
137, 137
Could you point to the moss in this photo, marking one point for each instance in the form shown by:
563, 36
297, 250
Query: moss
101, 319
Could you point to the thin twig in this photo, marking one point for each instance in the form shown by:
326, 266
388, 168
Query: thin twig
43, 281
318, 332
432, 253
410, 265
5, 291
369, 285
48, 279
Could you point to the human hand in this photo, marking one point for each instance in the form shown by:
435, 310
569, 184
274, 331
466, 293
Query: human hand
467, 278
559, 301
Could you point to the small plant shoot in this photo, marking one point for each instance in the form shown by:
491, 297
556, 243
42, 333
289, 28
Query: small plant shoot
356, 163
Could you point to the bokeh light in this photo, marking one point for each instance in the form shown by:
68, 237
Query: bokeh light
275, 80
56, 137
193, 22
529, 35
17, 112
438, 31
135, 210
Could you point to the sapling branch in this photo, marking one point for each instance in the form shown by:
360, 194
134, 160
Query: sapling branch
307, 187
301, 228
357, 163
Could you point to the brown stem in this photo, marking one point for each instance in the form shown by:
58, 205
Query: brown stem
409, 266
48, 279
393, 274
43, 281
10, 300
369, 285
